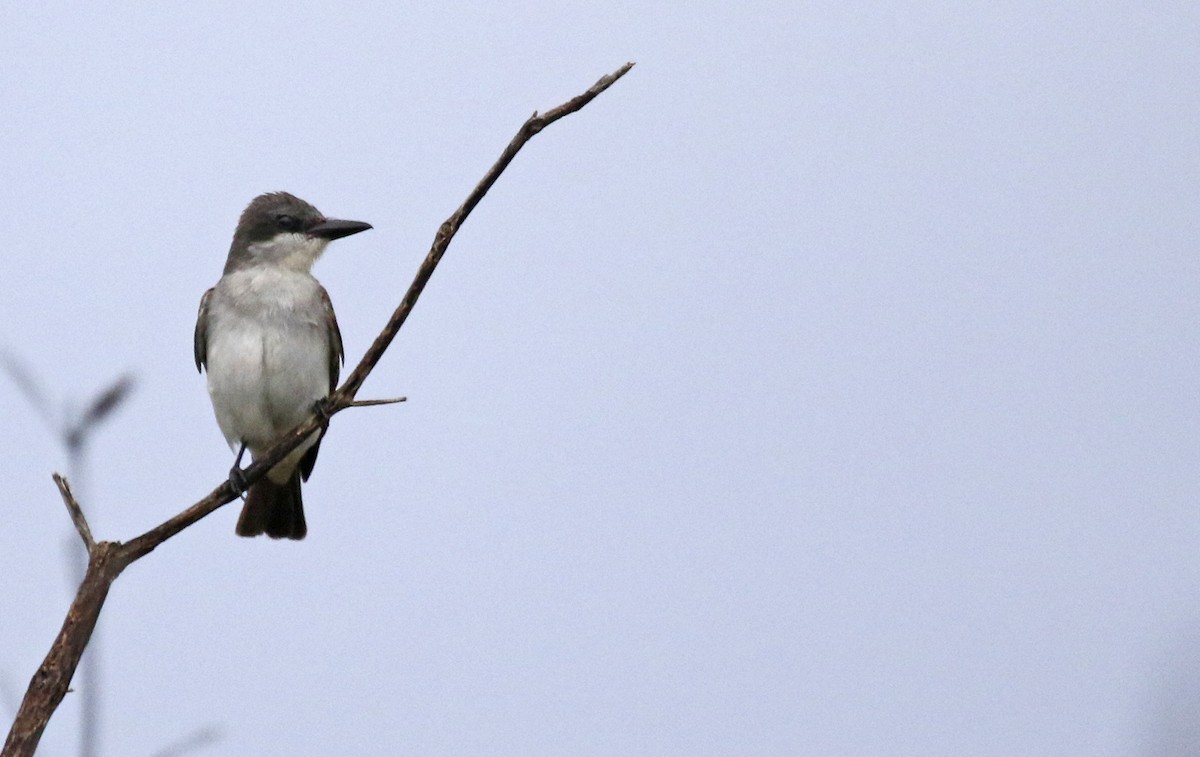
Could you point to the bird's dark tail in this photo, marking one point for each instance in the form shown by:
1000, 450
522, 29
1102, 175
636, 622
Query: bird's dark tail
274, 509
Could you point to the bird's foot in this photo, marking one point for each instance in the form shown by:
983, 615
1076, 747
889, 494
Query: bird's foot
237, 479
323, 409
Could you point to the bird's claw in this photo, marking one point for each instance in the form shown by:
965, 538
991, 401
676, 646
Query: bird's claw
237, 479
323, 409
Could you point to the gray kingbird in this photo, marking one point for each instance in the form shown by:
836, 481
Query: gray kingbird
269, 340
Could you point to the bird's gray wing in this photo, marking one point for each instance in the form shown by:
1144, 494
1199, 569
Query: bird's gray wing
336, 354
200, 341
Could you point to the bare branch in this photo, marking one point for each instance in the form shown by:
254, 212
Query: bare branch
49, 684
450, 227
77, 517
107, 559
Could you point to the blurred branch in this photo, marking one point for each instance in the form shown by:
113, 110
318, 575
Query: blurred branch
201, 738
101, 407
73, 431
24, 381
12, 701
107, 559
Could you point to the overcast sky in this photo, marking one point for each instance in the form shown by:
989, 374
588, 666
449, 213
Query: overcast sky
827, 386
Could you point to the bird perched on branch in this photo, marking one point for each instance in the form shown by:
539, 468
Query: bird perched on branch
269, 341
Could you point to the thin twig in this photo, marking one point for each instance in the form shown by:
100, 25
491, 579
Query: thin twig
77, 517
373, 403
107, 559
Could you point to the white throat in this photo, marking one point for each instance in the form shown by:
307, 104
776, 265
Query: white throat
289, 249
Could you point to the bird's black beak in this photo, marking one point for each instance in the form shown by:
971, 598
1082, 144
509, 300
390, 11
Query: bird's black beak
335, 228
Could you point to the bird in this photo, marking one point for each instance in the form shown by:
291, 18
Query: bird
268, 340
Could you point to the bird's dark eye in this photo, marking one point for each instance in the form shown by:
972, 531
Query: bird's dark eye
287, 223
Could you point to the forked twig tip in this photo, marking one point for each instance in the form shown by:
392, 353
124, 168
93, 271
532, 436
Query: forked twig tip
76, 512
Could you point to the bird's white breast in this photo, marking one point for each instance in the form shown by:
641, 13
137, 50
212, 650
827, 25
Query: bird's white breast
268, 352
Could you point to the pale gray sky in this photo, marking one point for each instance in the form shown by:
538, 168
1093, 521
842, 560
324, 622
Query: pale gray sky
828, 386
